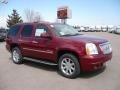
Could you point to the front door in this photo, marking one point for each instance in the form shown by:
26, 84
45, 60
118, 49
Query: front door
43, 43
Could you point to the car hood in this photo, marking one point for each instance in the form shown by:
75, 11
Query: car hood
86, 39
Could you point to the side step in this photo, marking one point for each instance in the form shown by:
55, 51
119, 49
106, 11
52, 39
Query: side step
40, 61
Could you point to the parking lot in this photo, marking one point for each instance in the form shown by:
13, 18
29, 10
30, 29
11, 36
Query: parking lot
35, 76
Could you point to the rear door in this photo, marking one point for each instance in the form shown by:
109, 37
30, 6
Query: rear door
25, 40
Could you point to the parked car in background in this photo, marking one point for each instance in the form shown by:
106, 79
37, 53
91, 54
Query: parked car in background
117, 31
58, 44
103, 29
3, 34
112, 29
77, 28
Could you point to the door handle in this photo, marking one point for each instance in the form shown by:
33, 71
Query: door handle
35, 42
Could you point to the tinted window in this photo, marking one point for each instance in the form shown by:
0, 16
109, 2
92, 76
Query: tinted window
27, 31
40, 30
13, 30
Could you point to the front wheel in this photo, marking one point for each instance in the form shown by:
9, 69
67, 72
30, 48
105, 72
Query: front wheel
69, 66
16, 55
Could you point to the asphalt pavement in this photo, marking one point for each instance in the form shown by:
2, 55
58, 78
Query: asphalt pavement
35, 76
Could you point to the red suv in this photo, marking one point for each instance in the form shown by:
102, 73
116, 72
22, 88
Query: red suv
58, 44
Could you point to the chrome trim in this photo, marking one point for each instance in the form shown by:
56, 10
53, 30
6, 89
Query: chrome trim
104, 43
108, 48
39, 61
68, 66
47, 51
20, 40
34, 42
15, 56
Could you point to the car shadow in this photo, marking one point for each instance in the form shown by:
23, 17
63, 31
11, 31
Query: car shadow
55, 69
2, 41
92, 74
40, 66
83, 75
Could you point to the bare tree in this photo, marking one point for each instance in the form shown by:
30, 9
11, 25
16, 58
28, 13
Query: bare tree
37, 17
29, 15
32, 16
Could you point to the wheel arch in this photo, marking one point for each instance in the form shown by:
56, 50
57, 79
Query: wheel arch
13, 46
64, 51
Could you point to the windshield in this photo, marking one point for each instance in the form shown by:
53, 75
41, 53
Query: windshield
65, 30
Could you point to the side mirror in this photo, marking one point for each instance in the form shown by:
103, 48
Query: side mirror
45, 35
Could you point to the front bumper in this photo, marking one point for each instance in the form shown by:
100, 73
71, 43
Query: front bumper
92, 63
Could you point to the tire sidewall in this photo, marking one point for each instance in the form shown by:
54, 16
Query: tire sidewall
75, 61
20, 55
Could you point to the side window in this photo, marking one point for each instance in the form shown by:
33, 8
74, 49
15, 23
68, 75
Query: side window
41, 30
27, 31
13, 30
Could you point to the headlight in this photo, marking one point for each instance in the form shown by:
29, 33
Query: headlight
91, 49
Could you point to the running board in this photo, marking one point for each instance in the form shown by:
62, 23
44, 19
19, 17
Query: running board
40, 61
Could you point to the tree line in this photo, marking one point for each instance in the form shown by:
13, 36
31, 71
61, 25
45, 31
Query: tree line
14, 18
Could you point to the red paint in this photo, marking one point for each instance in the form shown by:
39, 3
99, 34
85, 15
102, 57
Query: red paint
48, 48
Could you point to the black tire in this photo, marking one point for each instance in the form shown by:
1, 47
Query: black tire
1, 40
73, 61
20, 57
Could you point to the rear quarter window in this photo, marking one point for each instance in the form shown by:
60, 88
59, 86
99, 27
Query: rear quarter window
13, 30
27, 31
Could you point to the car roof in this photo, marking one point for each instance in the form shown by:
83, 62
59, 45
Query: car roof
36, 23
25, 23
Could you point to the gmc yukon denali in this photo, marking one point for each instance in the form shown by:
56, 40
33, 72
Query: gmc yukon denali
58, 44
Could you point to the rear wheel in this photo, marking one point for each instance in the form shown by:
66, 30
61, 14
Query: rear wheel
69, 66
17, 56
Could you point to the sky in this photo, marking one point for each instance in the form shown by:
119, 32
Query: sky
84, 12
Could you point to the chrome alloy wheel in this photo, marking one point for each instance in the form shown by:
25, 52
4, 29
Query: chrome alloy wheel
16, 56
67, 66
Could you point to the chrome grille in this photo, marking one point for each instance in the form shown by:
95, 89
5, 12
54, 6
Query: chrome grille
106, 48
